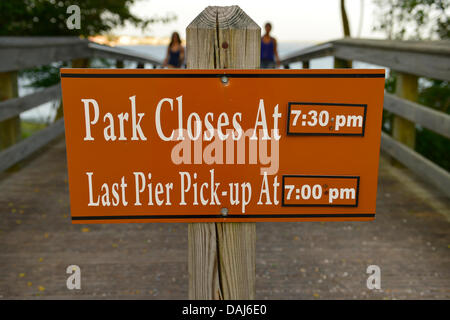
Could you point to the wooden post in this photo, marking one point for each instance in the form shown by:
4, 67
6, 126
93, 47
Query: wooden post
404, 130
119, 64
341, 63
10, 132
76, 63
222, 255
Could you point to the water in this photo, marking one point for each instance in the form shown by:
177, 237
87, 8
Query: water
47, 111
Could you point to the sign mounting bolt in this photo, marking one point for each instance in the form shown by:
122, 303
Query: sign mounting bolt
224, 79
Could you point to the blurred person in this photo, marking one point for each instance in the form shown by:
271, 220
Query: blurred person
269, 52
175, 52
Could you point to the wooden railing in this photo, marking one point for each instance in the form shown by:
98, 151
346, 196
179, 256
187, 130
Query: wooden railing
18, 53
410, 60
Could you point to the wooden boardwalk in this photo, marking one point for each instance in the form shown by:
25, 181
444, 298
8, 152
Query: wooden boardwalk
410, 241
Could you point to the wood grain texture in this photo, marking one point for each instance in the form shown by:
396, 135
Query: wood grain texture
429, 118
423, 58
440, 47
417, 163
103, 51
203, 262
237, 247
26, 52
17, 53
309, 53
222, 255
25, 148
13, 107
9, 129
404, 130
421, 63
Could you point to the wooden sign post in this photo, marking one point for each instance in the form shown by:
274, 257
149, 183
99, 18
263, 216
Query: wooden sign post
222, 255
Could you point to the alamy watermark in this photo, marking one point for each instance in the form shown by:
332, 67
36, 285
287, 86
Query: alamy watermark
74, 20
374, 280
74, 280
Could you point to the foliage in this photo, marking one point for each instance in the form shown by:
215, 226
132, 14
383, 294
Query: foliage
48, 17
436, 95
28, 128
432, 145
413, 19
48, 75
43, 76
419, 20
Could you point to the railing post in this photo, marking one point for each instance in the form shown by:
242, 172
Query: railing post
119, 64
341, 63
76, 63
10, 132
404, 130
221, 261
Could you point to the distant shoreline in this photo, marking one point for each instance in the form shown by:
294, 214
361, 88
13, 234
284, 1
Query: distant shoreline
113, 41
124, 40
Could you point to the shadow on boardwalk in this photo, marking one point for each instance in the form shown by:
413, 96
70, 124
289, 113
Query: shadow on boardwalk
410, 241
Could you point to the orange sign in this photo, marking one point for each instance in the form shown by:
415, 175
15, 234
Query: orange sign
222, 145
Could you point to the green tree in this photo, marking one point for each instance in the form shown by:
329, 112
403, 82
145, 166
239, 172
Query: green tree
48, 17
413, 19
419, 20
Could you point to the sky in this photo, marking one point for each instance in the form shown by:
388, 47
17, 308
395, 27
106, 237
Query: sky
292, 20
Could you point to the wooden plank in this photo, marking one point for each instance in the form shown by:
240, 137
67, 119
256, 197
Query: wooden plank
426, 117
414, 59
202, 247
222, 255
17, 53
101, 51
237, 259
201, 43
39, 41
404, 130
23, 149
203, 266
10, 131
304, 55
440, 47
418, 164
423, 58
13, 107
